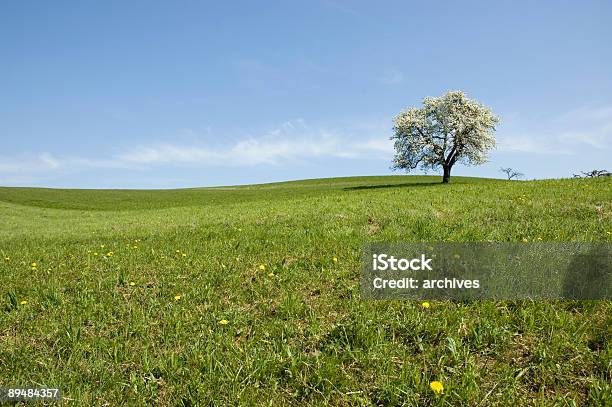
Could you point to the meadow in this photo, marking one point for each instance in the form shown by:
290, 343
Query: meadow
250, 295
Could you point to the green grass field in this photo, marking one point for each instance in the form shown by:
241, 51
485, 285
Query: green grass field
269, 311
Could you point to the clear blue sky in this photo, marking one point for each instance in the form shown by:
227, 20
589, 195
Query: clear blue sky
176, 94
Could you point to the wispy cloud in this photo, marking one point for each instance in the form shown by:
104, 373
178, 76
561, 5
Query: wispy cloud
567, 133
29, 163
291, 142
587, 114
529, 144
295, 142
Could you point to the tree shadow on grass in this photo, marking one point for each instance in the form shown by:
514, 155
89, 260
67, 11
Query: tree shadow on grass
403, 185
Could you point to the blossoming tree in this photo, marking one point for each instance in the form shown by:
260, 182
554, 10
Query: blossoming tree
446, 130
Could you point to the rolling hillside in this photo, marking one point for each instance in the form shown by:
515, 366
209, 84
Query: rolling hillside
250, 295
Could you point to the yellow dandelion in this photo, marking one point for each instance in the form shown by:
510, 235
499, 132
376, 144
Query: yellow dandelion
34, 265
95, 253
524, 240
425, 305
110, 254
223, 322
436, 386
177, 297
177, 251
262, 267
270, 274
7, 258
539, 238
102, 246
134, 247
335, 259
23, 302
184, 254
132, 283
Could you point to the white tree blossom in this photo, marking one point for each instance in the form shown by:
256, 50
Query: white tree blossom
446, 130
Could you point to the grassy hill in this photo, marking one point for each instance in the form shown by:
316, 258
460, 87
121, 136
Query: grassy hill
250, 295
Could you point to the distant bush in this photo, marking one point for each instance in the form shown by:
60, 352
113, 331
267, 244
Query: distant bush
593, 174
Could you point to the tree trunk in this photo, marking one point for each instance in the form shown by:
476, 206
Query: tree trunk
446, 176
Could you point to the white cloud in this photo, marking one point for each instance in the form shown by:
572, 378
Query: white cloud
291, 142
47, 160
588, 114
380, 144
568, 133
29, 163
295, 141
526, 144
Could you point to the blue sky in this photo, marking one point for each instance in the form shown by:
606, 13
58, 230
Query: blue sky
103, 94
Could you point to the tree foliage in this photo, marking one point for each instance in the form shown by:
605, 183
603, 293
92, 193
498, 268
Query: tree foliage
446, 130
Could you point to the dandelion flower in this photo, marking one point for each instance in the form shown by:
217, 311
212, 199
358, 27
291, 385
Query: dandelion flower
223, 322
524, 240
177, 297
102, 246
95, 253
270, 274
34, 265
425, 305
436, 386
132, 283
7, 258
184, 254
177, 251
262, 267
110, 254
335, 259
23, 302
